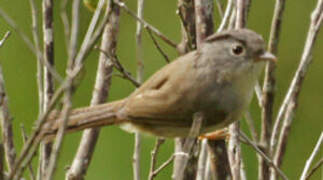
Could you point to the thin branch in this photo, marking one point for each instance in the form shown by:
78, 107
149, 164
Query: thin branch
226, 16
268, 95
48, 38
40, 85
220, 8
315, 167
291, 99
66, 24
186, 12
140, 75
6, 119
61, 132
154, 153
24, 138
158, 46
28, 149
269, 161
189, 142
124, 73
203, 19
203, 158
161, 167
100, 93
146, 25
234, 150
241, 18
73, 40
311, 158
269, 82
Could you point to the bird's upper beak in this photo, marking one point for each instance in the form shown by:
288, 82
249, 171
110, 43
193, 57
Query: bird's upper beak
266, 56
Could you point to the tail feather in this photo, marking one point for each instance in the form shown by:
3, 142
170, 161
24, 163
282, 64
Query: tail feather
87, 117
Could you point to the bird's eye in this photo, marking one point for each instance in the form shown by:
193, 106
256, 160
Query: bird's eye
237, 49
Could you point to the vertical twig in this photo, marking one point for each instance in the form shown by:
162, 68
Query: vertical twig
24, 138
66, 24
186, 12
203, 159
269, 90
234, 149
48, 38
311, 158
154, 153
5, 118
140, 74
203, 20
291, 99
100, 93
226, 16
188, 145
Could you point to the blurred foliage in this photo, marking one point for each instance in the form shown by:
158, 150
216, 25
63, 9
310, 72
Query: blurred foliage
113, 155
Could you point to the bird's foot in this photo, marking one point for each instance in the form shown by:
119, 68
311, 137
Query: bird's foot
221, 134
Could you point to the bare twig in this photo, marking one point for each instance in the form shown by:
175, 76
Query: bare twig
220, 8
161, 167
40, 85
268, 95
73, 38
234, 150
189, 142
289, 105
203, 158
226, 16
203, 19
24, 138
186, 12
48, 38
157, 46
66, 24
146, 25
154, 153
315, 167
28, 149
269, 161
140, 73
6, 119
311, 158
85, 151
60, 134
241, 19
124, 73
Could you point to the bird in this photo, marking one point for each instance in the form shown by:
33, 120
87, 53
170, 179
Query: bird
216, 80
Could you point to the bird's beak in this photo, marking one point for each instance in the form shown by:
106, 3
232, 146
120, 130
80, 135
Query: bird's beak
266, 56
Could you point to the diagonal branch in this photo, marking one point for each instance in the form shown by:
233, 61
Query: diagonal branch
290, 102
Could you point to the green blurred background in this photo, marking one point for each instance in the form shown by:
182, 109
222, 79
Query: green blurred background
113, 155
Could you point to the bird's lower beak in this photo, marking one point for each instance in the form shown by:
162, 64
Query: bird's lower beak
266, 56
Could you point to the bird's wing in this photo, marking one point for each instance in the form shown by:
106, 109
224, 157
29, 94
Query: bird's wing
166, 94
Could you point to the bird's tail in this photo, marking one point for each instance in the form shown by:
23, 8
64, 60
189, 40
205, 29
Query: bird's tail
82, 118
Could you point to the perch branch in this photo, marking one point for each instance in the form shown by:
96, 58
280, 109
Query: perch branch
154, 153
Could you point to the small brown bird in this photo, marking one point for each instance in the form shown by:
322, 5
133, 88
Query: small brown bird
216, 80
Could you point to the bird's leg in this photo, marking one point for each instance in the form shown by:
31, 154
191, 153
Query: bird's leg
220, 134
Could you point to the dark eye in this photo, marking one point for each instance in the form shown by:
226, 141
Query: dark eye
237, 49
